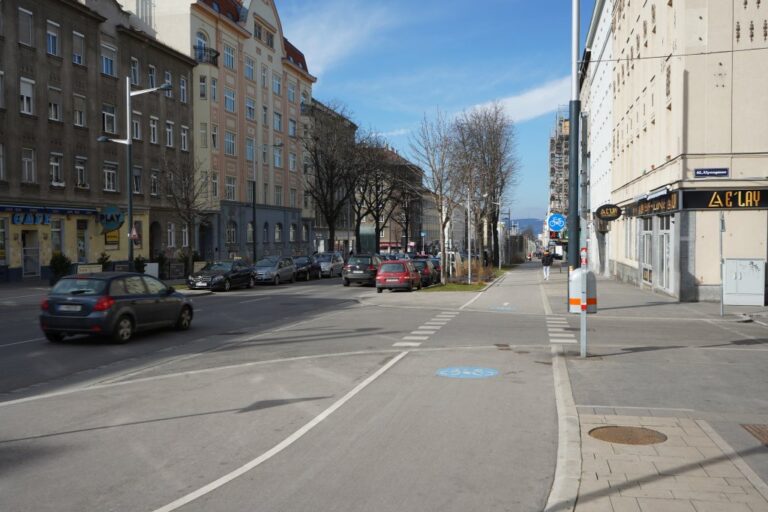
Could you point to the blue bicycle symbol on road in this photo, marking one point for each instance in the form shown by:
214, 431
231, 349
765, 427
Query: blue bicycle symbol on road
464, 372
556, 222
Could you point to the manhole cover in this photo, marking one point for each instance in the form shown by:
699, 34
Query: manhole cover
628, 435
759, 431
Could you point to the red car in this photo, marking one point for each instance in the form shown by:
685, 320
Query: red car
399, 274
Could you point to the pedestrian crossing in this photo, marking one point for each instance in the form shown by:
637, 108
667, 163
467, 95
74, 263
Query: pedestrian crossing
427, 329
557, 330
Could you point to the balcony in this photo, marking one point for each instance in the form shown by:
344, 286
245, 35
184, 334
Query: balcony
205, 55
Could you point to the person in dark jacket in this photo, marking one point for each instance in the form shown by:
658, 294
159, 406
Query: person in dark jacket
546, 262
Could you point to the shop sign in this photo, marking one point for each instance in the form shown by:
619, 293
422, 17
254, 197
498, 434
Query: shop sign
664, 204
727, 199
31, 218
608, 212
111, 218
112, 239
711, 173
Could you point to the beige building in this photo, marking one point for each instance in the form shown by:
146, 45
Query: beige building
690, 141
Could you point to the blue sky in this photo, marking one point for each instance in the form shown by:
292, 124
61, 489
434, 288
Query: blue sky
392, 61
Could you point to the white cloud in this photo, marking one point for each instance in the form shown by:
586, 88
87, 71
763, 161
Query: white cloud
538, 101
396, 133
330, 31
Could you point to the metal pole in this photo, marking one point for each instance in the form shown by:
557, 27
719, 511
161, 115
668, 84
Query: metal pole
469, 237
129, 171
573, 141
253, 216
722, 265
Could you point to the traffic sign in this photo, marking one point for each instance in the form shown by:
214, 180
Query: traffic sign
556, 222
583, 256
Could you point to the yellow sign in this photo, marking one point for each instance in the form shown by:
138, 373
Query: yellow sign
735, 198
112, 239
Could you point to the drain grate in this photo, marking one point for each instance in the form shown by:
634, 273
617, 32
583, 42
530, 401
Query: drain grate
628, 435
759, 431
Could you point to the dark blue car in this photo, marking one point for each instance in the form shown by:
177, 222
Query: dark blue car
112, 304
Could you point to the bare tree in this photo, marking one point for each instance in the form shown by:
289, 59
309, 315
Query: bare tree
378, 185
433, 147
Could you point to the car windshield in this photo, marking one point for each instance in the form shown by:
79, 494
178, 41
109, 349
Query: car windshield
79, 286
301, 261
419, 264
392, 267
324, 257
266, 262
359, 260
219, 265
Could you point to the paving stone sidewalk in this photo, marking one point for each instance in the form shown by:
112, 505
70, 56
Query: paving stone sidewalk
694, 470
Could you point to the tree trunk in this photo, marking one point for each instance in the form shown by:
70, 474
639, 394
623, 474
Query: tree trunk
358, 242
376, 235
331, 238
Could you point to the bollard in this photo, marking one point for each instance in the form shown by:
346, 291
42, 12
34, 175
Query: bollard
574, 291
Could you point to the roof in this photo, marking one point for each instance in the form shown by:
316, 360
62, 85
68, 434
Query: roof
295, 56
232, 9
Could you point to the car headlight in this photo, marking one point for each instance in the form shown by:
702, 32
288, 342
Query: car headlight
269, 273
190, 277
217, 278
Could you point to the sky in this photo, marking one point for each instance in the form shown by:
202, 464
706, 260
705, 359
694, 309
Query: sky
391, 62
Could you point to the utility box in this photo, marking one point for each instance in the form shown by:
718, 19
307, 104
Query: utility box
574, 291
744, 282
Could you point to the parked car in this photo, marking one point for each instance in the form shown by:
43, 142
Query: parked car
275, 270
361, 268
222, 275
438, 268
331, 263
306, 267
397, 275
427, 271
113, 304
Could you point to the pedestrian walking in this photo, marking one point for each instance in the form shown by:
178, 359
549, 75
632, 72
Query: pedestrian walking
546, 262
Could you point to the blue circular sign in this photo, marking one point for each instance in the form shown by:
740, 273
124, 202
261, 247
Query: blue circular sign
467, 372
556, 222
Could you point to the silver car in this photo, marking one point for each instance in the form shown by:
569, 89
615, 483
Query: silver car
275, 270
331, 263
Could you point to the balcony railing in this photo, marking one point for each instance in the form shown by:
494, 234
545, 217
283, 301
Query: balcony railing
205, 55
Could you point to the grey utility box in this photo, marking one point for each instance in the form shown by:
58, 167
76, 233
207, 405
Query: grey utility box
744, 282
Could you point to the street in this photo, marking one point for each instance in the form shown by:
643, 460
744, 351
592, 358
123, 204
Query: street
313, 396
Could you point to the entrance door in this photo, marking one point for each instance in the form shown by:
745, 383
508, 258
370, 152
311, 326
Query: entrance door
664, 251
30, 248
82, 241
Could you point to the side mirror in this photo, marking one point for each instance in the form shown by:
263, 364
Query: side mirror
170, 290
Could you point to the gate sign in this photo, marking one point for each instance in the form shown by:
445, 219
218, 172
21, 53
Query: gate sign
608, 212
556, 222
111, 218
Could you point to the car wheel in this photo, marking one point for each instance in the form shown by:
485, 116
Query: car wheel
346, 282
276, 281
379, 289
227, 285
308, 276
410, 286
54, 337
251, 282
185, 319
123, 330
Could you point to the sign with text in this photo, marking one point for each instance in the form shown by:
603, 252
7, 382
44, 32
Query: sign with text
111, 218
608, 212
721, 172
663, 204
728, 199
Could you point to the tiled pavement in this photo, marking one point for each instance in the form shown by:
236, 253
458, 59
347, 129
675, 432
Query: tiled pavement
694, 470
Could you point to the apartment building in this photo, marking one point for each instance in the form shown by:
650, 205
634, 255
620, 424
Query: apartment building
62, 86
559, 157
248, 90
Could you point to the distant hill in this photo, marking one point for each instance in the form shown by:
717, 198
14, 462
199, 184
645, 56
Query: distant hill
534, 224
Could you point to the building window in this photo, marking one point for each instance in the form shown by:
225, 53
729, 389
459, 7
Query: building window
78, 48
293, 198
215, 184
203, 85
264, 115
229, 57
231, 232
110, 178
250, 109
229, 143
136, 181
3, 177
250, 149
171, 234
57, 242
264, 74
304, 98
249, 64
154, 182
168, 80
264, 150
108, 119
202, 46
292, 161
278, 157
306, 199
278, 195
3, 242
134, 71
81, 175
26, 27
229, 100
185, 235
79, 111
54, 104
229, 188
136, 126
108, 58
153, 130
169, 134
271, 40
215, 136
151, 77
277, 121
2, 90
183, 89
54, 170
184, 138
291, 92
28, 172
250, 190
305, 233
278, 232
249, 233
292, 127
266, 195
257, 31
27, 96
277, 84
292, 233
214, 90
204, 135
52, 38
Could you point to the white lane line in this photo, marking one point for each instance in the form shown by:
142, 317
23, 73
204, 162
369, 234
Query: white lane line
280, 446
636, 407
562, 341
407, 344
545, 301
415, 338
430, 327
21, 342
444, 317
436, 322
419, 333
449, 313
470, 301
505, 304
555, 329
253, 300
561, 335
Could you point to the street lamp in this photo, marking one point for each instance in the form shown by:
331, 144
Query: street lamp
129, 156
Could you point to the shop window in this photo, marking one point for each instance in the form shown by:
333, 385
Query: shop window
57, 238
3, 242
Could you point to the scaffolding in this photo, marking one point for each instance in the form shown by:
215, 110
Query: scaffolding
558, 163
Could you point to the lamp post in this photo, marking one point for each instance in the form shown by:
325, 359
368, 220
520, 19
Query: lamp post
129, 154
